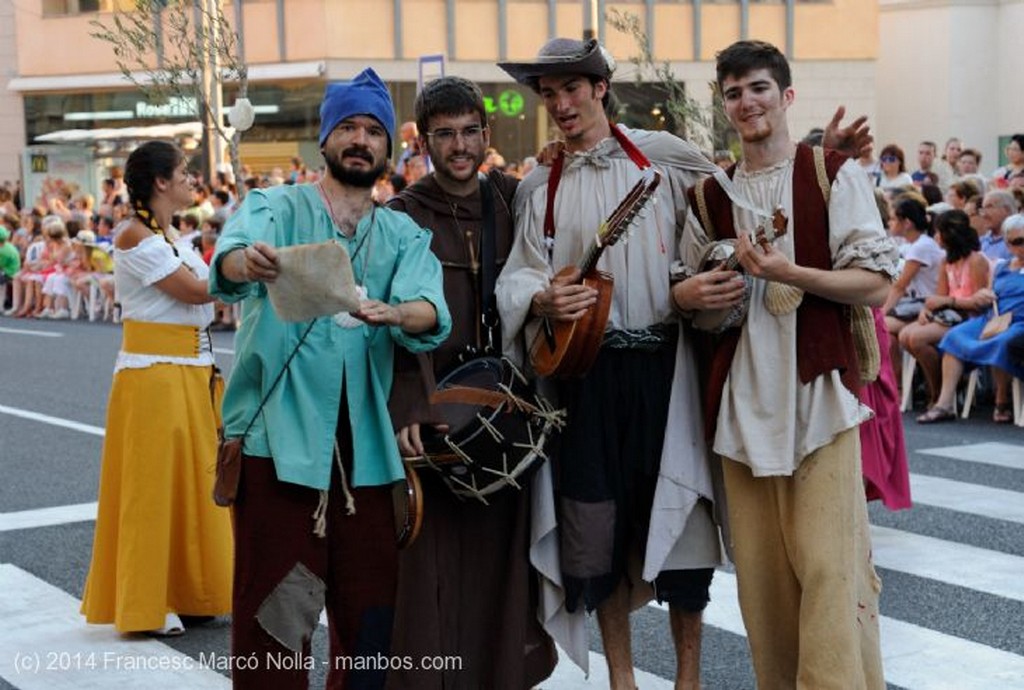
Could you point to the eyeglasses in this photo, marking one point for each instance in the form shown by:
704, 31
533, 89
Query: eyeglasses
446, 135
888, 159
1016, 242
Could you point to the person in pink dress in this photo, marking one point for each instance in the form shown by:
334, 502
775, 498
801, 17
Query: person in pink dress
883, 450
964, 271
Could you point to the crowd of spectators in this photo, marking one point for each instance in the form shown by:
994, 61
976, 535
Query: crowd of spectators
953, 223
950, 218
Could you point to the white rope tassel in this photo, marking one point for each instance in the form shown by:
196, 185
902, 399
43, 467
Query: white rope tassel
350, 501
320, 516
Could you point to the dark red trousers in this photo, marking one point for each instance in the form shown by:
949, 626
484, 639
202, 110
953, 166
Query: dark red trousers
357, 561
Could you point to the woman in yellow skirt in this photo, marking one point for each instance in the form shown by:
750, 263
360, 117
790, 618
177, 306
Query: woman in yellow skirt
162, 547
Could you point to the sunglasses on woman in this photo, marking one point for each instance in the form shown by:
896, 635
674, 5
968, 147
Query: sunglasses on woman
1016, 242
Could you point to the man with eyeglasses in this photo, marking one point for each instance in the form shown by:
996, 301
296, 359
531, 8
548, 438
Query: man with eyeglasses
995, 208
465, 585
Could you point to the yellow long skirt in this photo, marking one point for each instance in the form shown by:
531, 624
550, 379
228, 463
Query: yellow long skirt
161, 544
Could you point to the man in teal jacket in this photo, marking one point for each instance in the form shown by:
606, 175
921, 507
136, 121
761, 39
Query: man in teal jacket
314, 523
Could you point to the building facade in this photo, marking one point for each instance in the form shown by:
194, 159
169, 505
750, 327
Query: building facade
949, 68
60, 77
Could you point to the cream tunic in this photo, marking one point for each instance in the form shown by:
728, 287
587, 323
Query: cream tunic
768, 419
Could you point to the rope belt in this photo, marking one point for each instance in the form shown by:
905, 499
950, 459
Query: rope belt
650, 339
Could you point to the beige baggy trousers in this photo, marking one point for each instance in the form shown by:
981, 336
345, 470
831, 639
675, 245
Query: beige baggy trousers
807, 587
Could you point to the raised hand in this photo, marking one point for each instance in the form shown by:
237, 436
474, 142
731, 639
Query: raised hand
854, 140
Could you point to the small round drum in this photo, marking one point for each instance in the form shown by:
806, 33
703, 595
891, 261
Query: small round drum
497, 428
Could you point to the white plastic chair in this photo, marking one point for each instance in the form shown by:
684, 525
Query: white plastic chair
907, 384
1018, 402
972, 387
75, 305
1015, 392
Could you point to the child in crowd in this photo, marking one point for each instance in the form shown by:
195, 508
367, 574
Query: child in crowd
10, 264
37, 266
56, 287
94, 266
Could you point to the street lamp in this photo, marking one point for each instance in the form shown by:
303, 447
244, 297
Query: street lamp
589, 19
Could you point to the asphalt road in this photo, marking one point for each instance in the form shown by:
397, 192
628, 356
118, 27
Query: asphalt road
952, 567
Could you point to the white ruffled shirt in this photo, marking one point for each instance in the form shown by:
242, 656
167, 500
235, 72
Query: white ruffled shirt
768, 419
135, 272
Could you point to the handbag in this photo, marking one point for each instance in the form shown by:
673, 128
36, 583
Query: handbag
947, 317
997, 324
907, 308
228, 472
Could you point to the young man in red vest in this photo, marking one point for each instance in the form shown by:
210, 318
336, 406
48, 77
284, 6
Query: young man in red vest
782, 392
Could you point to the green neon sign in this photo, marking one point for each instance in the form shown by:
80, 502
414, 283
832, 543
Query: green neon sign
510, 103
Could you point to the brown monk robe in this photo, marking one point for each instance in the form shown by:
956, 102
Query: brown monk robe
465, 587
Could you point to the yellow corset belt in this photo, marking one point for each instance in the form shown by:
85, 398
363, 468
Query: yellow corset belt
166, 339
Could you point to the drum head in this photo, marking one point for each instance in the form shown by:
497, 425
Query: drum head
486, 373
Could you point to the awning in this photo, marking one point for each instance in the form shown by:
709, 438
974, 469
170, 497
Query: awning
89, 136
276, 71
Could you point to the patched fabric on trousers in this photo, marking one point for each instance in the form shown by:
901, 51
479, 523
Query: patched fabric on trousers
291, 612
588, 537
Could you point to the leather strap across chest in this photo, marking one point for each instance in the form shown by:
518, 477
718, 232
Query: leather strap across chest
555, 176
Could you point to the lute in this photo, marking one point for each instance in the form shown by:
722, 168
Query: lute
567, 349
723, 253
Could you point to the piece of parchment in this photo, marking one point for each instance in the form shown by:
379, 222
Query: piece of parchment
314, 280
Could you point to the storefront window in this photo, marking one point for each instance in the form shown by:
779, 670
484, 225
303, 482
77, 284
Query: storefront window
289, 113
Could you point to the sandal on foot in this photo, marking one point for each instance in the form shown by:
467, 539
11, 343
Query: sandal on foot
172, 627
1002, 415
936, 414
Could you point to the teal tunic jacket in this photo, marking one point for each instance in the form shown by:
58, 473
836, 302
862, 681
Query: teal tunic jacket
391, 257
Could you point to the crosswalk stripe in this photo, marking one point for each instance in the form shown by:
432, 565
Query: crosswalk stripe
1001, 454
913, 657
46, 645
963, 565
54, 421
567, 676
24, 331
43, 623
998, 504
47, 517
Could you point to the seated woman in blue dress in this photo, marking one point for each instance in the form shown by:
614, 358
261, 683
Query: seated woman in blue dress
963, 344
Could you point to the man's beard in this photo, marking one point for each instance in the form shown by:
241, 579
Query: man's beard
363, 179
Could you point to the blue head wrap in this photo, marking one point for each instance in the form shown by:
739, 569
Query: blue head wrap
364, 95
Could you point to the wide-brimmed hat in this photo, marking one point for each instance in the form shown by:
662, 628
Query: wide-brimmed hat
563, 56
